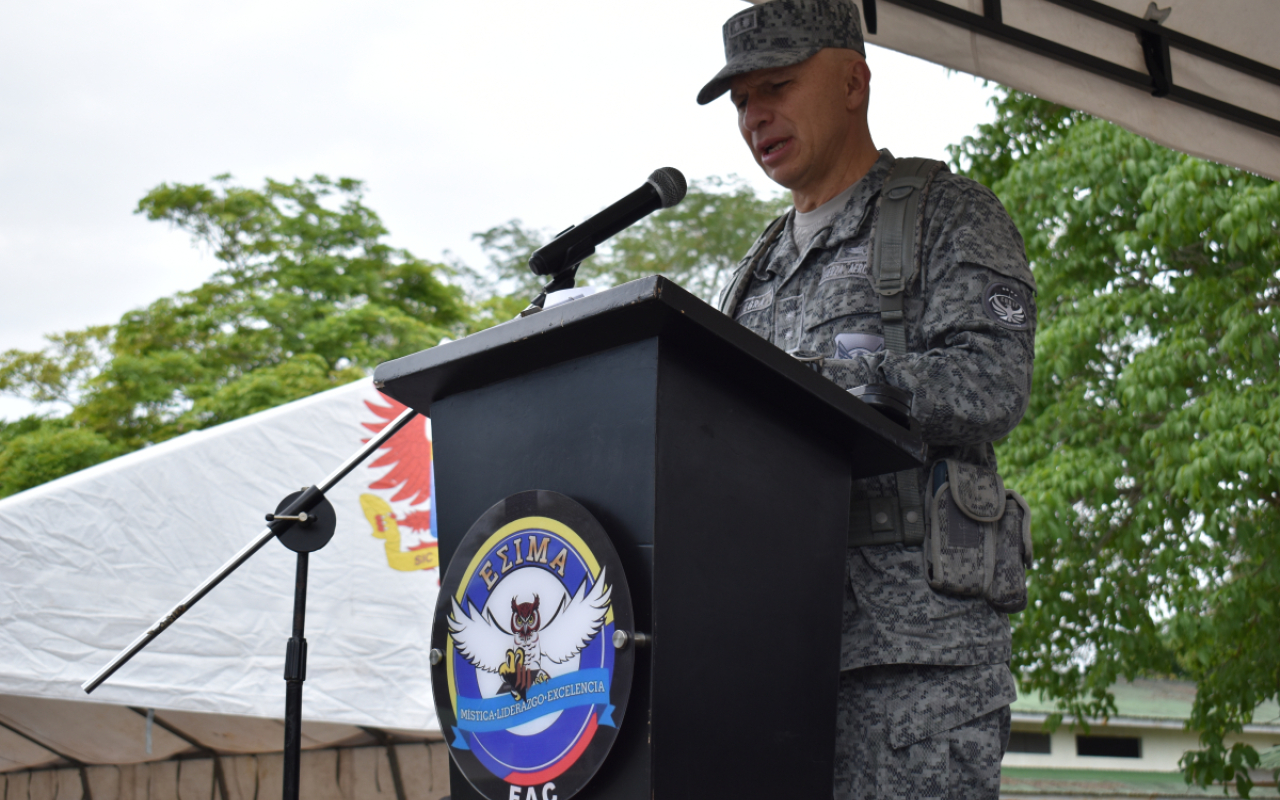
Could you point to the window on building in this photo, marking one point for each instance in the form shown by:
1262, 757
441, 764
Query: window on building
1028, 742
1113, 746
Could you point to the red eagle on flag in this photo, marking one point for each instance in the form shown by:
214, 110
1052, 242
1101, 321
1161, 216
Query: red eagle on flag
408, 457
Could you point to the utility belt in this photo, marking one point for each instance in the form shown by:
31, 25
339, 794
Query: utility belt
975, 538
881, 520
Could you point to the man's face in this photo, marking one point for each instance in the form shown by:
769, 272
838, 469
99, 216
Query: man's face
796, 119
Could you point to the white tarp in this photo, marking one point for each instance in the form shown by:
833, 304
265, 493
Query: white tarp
89, 561
1246, 28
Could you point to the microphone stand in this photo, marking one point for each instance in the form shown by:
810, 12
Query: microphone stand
304, 521
564, 279
566, 251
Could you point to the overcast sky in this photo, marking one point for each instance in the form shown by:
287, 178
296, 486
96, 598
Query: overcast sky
458, 116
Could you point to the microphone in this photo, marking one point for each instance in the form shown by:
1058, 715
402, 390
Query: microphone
664, 189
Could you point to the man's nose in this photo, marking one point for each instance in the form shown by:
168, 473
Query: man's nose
754, 114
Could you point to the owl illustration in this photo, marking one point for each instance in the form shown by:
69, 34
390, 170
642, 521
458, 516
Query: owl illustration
518, 652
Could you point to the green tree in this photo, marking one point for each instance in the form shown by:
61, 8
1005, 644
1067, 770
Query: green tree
695, 243
55, 374
307, 296
34, 450
1151, 450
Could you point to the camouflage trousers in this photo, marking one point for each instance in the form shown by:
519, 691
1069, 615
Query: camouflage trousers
922, 732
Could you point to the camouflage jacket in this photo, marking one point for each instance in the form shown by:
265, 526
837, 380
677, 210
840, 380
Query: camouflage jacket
968, 367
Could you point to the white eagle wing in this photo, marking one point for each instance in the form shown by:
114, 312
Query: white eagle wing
480, 640
577, 622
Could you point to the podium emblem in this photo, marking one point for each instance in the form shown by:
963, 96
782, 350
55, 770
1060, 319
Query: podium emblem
534, 675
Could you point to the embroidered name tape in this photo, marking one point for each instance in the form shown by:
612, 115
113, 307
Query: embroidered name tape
757, 303
850, 260
842, 269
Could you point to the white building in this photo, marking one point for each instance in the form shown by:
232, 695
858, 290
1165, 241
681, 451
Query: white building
1133, 754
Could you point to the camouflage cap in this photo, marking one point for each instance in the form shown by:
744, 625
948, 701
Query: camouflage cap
781, 33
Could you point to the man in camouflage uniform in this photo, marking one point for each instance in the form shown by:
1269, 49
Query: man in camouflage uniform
925, 684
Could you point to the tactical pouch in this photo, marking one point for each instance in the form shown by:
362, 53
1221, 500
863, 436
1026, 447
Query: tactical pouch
978, 539
1008, 591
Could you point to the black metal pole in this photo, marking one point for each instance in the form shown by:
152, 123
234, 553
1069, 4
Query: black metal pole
295, 672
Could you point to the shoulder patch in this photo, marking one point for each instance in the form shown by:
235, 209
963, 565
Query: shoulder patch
1005, 303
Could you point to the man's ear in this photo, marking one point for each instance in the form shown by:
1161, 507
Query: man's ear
857, 82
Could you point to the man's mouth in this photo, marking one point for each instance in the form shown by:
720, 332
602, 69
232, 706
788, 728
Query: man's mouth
771, 149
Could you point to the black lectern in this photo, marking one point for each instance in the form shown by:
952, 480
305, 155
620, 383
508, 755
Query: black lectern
720, 467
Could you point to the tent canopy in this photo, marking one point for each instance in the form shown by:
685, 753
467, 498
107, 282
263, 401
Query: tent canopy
1197, 76
89, 561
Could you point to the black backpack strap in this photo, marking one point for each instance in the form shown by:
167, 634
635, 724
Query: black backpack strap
894, 263
895, 246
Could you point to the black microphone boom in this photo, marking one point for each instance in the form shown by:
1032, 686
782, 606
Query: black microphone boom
664, 189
